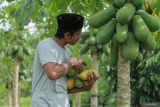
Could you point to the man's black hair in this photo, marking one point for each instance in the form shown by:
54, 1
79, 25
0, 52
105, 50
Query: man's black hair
68, 22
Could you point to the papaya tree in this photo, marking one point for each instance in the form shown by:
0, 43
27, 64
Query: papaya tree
127, 28
88, 39
15, 48
16, 51
5, 70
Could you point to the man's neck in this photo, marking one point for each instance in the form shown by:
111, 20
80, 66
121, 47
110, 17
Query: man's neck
60, 42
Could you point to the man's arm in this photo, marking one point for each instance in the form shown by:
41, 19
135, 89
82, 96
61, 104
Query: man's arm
55, 71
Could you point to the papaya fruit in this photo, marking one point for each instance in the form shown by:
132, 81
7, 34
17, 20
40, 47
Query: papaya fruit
95, 72
152, 22
85, 35
84, 48
130, 48
137, 3
106, 49
113, 55
95, 32
83, 75
102, 17
141, 8
119, 3
121, 32
140, 29
71, 72
70, 83
99, 46
105, 33
78, 83
149, 44
9, 51
125, 14
92, 40
139, 57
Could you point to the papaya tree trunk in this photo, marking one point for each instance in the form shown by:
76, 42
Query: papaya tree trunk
78, 100
123, 88
15, 88
74, 103
94, 90
10, 97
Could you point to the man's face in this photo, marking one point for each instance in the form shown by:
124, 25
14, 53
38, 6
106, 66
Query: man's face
74, 38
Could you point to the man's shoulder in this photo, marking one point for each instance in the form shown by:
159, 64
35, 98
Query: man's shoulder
44, 42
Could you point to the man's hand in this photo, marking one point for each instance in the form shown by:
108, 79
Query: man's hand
92, 77
76, 63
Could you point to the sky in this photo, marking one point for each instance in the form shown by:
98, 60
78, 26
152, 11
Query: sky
31, 26
3, 4
6, 25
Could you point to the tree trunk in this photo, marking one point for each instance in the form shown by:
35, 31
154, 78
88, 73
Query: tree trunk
15, 88
10, 97
78, 100
94, 90
123, 88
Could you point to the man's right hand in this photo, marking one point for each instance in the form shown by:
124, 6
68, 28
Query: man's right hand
75, 63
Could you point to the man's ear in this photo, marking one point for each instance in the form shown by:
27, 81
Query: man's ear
67, 35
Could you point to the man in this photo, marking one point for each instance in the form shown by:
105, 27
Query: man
53, 60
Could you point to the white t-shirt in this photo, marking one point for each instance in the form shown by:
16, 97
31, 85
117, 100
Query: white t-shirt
46, 92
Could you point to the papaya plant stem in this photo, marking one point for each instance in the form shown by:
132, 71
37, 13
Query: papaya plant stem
123, 87
94, 90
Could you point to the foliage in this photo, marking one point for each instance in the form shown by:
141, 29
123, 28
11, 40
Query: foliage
146, 78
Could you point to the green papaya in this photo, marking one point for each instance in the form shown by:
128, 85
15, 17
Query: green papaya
137, 3
102, 17
113, 55
139, 57
141, 8
92, 40
140, 29
85, 35
14, 50
149, 44
9, 51
152, 22
125, 14
95, 32
99, 46
121, 32
119, 3
71, 72
130, 47
105, 33
106, 49
84, 48
78, 83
